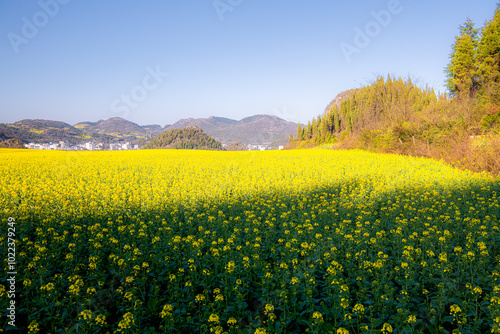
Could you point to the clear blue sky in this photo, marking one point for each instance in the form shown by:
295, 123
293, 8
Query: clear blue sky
75, 60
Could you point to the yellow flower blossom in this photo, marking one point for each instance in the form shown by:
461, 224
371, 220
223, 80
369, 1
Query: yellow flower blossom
166, 311
100, 320
85, 314
33, 327
214, 318
386, 328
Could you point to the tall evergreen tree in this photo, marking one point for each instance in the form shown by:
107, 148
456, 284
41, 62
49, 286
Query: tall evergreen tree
309, 131
326, 125
489, 58
300, 132
462, 71
336, 119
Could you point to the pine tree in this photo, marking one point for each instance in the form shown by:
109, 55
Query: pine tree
300, 132
462, 71
336, 119
489, 58
309, 131
314, 127
326, 125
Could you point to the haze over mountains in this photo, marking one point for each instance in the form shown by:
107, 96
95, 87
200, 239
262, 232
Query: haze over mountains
256, 130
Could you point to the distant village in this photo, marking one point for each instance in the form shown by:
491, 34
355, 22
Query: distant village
90, 146
251, 147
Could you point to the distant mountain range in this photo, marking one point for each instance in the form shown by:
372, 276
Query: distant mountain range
112, 126
39, 131
256, 130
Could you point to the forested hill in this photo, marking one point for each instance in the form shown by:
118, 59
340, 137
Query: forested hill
395, 115
386, 102
190, 137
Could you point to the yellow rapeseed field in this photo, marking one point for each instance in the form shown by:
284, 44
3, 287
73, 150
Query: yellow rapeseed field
177, 241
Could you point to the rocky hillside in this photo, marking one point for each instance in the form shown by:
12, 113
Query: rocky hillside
338, 100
